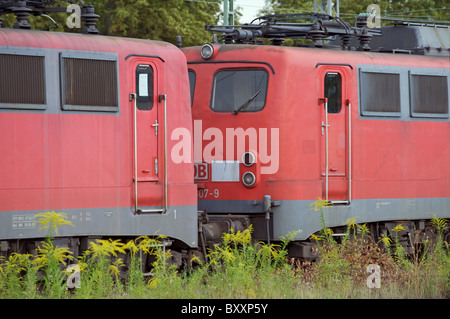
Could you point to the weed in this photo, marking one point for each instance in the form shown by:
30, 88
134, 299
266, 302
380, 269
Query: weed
319, 206
51, 257
51, 221
237, 268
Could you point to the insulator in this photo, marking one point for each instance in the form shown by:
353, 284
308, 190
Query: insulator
90, 20
316, 34
22, 12
346, 38
364, 39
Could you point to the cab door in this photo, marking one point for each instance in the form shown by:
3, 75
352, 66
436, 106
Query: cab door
145, 79
335, 110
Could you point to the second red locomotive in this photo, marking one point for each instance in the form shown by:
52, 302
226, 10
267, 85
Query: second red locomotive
279, 127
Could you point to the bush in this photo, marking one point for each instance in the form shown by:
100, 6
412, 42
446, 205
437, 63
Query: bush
237, 268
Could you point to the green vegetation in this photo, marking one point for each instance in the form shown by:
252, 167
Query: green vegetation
348, 9
144, 19
165, 19
237, 268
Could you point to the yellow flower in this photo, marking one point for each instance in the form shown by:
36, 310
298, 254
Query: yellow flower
241, 237
439, 223
114, 268
52, 220
153, 283
197, 260
320, 204
386, 240
131, 246
398, 228
227, 254
106, 247
351, 222
59, 253
82, 265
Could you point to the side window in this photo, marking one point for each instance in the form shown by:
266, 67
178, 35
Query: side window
22, 81
333, 91
242, 90
89, 84
380, 93
144, 87
429, 95
192, 79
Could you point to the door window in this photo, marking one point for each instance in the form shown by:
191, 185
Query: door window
144, 87
333, 85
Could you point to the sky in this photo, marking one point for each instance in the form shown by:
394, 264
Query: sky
250, 9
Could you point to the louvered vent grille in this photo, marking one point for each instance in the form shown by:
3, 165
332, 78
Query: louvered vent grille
89, 82
22, 79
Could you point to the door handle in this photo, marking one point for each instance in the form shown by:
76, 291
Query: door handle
156, 127
323, 126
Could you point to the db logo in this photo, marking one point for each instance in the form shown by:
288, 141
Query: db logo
201, 171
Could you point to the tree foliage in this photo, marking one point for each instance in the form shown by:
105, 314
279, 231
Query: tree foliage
402, 9
147, 19
159, 19
165, 19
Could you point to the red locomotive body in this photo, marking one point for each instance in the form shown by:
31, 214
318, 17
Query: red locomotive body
367, 131
102, 129
86, 125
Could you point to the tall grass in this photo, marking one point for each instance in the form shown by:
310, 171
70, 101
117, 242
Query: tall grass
344, 264
237, 268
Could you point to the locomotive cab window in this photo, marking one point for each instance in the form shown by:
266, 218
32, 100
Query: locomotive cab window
89, 82
242, 90
22, 81
429, 95
333, 91
144, 87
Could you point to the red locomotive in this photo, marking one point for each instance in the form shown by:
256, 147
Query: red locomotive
278, 127
86, 125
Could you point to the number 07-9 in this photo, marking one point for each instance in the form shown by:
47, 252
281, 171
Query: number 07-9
204, 193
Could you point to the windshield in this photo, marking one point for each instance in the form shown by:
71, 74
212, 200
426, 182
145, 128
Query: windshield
234, 88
